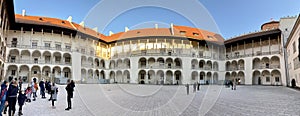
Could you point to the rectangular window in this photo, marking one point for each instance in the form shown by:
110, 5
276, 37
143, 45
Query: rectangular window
267, 79
57, 46
14, 42
294, 47
47, 45
182, 32
68, 47
36, 60
35, 72
13, 59
34, 44
13, 72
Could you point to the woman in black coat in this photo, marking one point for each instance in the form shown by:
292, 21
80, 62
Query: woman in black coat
70, 88
11, 97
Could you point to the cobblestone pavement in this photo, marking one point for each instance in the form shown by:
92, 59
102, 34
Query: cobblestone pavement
151, 100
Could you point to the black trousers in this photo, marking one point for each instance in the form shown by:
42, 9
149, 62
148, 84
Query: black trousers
69, 101
20, 108
53, 100
12, 105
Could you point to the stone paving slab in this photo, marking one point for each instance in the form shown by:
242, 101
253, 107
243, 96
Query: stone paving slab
155, 100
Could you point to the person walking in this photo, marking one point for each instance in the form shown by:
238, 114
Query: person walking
198, 86
3, 96
34, 89
194, 87
21, 101
11, 97
187, 89
42, 89
234, 85
70, 88
54, 91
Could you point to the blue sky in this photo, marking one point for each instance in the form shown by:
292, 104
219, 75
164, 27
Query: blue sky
233, 17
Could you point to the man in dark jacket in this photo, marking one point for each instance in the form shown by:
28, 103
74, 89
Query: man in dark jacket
70, 88
42, 88
11, 97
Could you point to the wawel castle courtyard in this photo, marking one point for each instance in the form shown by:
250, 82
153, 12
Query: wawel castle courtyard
146, 71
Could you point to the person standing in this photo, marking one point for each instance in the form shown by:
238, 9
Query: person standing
70, 89
198, 86
42, 89
11, 97
21, 101
187, 89
234, 85
54, 91
34, 89
194, 87
3, 96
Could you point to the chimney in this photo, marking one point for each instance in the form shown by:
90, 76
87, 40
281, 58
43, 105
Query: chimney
23, 12
156, 26
70, 19
126, 29
111, 33
95, 29
81, 23
172, 29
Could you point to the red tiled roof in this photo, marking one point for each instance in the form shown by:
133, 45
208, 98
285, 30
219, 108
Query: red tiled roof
189, 32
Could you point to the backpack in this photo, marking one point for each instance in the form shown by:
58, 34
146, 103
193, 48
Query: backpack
36, 86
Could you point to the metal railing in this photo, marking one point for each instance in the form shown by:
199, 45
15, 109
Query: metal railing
38, 47
229, 57
38, 62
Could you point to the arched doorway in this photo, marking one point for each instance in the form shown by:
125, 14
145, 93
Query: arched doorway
142, 77
178, 77
256, 79
169, 77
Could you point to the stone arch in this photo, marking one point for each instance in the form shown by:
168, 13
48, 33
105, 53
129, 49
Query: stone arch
24, 72
142, 77
119, 76
169, 62
67, 58
234, 65
241, 64
169, 77
178, 77
151, 77
256, 63
266, 77
25, 55
67, 72
47, 57
201, 64
215, 78
119, 63
241, 78
215, 66
57, 57
194, 63
126, 76
112, 64
83, 75
161, 76
13, 55
127, 63
265, 62
178, 62
256, 78
275, 62
208, 65
276, 77
228, 66
194, 77
151, 62
142, 62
